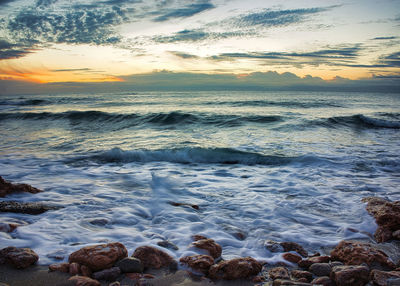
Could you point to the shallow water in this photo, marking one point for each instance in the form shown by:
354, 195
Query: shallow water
284, 166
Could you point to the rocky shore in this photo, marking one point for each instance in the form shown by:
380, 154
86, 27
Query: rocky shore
348, 263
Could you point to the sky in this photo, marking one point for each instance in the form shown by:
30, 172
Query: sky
61, 44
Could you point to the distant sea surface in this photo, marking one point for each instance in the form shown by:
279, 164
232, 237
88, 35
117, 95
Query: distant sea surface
282, 166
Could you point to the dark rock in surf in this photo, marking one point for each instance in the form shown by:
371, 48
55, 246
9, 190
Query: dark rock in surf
130, 265
350, 275
167, 244
238, 268
110, 274
18, 257
292, 246
9, 188
201, 263
25, 208
213, 248
278, 273
152, 257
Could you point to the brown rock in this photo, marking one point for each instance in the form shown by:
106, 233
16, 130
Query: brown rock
278, 273
350, 275
356, 253
98, 257
134, 276
61, 267
110, 274
116, 283
200, 263
324, 281
74, 268
382, 278
197, 237
235, 269
321, 269
291, 257
298, 274
387, 216
85, 271
152, 257
258, 279
213, 248
84, 281
9, 188
284, 282
19, 257
292, 246
8, 227
25, 208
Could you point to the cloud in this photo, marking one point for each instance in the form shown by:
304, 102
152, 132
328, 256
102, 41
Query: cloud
384, 38
195, 35
4, 2
12, 51
187, 11
71, 70
391, 60
184, 55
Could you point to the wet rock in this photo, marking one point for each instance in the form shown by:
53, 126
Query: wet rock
284, 282
99, 222
197, 237
258, 279
383, 278
306, 263
321, 269
9, 188
152, 257
116, 283
396, 234
387, 216
273, 246
336, 263
298, 274
196, 207
61, 267
278, 273
350, 275
356, 253
18, 257
99, 257
201, 263
130, 265
25, 208
85, 271
84, 281
167, 244
292, 246
324, 281
291, 257
213, 248
8, 227
235, 269
110, 274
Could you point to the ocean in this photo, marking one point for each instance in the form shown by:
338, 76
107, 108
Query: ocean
240, 167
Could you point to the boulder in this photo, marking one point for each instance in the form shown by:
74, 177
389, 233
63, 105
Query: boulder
356, 253
298, 274
350, 275
383, 278
110, 274
61, 267
292, 246
18, 257
25, 208
201, 263
130, 265
278, 273
387, 216
152, 257
84, 281
235, 269
99, 257
324, 281
213, 248
291, 257
9, 188
321, 269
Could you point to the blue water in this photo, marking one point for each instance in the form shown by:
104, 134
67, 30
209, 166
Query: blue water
284, 166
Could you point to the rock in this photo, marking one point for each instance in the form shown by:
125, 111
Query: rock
196, 207
74, 268
382, 278
99, 257
387, 216
167, 244
396, 234
278, 273
298, 274
152, 257
351, 275
61, 267
18, 257
213, 248
336, 263
8, 227
107, 274
130, 265
324, 281
201, 263
99, 221
85, 271
284, 282
235, 268
116, 283
306, 263
292, 246
25, 208
9, 188
84, 281
291, 257
258, 279
273, 246
197, 237
356, 253
321, 269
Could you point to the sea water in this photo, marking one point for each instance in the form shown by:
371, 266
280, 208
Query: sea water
282, 166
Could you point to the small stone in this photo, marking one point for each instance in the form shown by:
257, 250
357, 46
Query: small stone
336, 263
148, 276
213, 248
278, 273
84, 281
167, 244
382, 278
235, 268
116, 283
99, 222
321, 269
291, 257
324, 281
292, 246
350, 275
201, 263
134, 276
284, 282
273, 246
61, 267
19, 257
152, 257
258, 279
130, 265
298, 274
74, 268
107, 274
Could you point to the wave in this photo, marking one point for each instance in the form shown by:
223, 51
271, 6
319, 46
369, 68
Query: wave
363, 121
23, 102
199, 156
171, 118
291, 104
